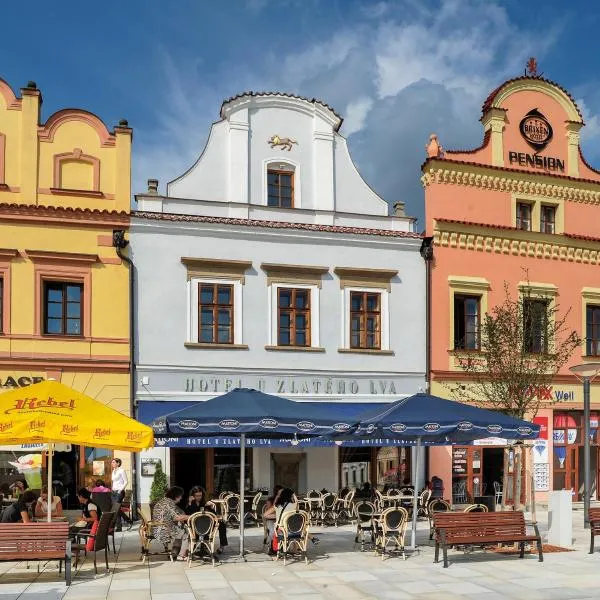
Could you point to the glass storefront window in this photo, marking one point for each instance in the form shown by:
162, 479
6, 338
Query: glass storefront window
392, 466
226, 474
96, 465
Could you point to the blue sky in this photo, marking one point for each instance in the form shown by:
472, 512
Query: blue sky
396, 70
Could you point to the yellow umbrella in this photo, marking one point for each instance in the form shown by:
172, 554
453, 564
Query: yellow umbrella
50, 412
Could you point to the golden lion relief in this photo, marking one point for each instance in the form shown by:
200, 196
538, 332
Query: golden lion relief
285, 143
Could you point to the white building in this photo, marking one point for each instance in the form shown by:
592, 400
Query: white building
271, 264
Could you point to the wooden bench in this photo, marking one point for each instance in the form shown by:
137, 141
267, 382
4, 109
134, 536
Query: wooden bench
482, 529
594, 526
37, 541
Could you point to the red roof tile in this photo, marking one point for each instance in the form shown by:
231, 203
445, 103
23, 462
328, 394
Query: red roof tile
274, 224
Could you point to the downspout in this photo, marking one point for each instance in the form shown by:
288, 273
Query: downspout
120, 243
426, 252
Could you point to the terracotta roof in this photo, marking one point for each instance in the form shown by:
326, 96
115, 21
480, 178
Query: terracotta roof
61, 210
510, 169
274, 224
490, 99
286, 95
587, 238
575, 236
486, 138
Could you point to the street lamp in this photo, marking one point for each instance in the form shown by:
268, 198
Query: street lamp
586, 373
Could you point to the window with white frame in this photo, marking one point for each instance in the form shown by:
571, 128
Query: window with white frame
365, 318
215, 311
294, 315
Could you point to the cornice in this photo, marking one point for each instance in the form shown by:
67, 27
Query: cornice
46, 256
502, 179
60, 215
497, 240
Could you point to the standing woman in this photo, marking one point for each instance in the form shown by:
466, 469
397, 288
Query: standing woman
119, 483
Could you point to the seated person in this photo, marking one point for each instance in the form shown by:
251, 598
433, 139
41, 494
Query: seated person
171, 530
197, 501
269, 516
41, 506
286, 502
18, 511
18, 487
91, 512
99, 486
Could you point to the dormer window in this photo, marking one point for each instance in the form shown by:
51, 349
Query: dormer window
280, 185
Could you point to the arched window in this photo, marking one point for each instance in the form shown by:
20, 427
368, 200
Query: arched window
280, 185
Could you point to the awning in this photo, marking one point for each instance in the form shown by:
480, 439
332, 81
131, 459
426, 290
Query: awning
148, 410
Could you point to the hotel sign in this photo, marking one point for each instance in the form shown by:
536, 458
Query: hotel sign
13, 381
537, 132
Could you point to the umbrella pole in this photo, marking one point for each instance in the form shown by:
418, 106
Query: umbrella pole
413, 534
50, 488
242, 490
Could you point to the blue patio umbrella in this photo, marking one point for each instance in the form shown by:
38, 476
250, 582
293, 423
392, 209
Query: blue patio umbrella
246, 411
431, 420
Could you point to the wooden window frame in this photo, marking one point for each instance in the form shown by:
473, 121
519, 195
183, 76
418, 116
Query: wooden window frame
215, 306
592, 345
519, 217
281, 172
293, 313
364, 314
463, 297
528, 338
46, 284
547, 226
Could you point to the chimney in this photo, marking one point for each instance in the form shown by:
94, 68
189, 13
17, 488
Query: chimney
399, 209
152, 187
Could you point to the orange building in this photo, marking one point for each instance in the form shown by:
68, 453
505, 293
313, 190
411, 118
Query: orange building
524, 209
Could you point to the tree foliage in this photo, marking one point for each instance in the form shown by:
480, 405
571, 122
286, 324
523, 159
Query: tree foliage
159, 484
524, 342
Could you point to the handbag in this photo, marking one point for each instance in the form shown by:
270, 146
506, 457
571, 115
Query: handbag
91, 541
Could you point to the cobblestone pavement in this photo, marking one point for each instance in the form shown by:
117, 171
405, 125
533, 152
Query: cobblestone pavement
336, 570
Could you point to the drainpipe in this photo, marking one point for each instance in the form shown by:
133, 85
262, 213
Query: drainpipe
426, 252
120, 243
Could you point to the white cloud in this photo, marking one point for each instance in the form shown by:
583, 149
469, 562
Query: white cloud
411, 69
356, 114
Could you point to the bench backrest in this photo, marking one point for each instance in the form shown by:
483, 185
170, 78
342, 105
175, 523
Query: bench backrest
32, 537
595, 518
491, 523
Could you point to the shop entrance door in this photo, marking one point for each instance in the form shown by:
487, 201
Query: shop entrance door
286, 469
572, 482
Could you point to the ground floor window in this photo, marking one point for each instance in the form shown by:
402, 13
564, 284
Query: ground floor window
383, 467
477, 471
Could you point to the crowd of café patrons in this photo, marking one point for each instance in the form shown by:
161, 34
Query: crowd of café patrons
28, 506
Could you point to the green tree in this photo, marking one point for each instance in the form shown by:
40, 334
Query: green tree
159, 484
523, 344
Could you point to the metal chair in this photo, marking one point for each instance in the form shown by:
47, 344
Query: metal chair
202, 527
364, 513
391, 528
100, 540
292, 534
459, 492
497, 492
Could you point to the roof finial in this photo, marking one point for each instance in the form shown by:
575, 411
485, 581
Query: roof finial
434, 148
531, 68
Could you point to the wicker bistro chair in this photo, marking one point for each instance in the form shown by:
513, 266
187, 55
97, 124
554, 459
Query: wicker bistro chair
436, 505
292, 534
253, 512
379, 499
202, 527
346, 507
365, 525
476, 508
390, 529
146, 533
497, 492
423, 505
314, 498
232, 510
329, 511
100, 540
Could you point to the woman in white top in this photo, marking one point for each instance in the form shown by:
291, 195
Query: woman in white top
41, 506
119, 483
285, 502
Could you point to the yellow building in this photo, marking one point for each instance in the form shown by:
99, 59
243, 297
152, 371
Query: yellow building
64, 292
